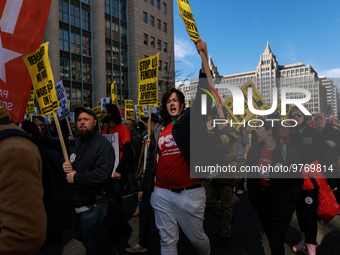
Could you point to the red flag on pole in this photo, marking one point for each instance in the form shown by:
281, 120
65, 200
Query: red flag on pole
22, 27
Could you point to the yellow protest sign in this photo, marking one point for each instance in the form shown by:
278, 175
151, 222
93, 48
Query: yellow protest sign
114, 93
258, 104
140, 111
99, 103
30, 109
38, 65
148, 79
278, 109
97, 110
191, 103
188, 19
129, 111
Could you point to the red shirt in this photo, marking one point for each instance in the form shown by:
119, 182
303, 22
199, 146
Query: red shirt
172, 171
123, 135
265, 160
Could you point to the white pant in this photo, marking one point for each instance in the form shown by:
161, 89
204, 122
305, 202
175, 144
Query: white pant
187, 209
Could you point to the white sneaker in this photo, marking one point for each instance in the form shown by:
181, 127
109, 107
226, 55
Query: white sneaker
239, 192
136, 249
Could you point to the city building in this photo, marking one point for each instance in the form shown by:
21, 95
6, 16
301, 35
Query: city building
332, 96
94, 43
268, 75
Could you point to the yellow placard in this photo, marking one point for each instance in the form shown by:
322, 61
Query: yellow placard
191, 103
278, 109
140, 111
30, 109
39, 67
114, 93
258, 103
97, 110
188, 19
148, 80
99, 103
129, 110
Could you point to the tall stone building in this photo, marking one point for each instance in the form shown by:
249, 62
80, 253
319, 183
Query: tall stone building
268, 75
94, 43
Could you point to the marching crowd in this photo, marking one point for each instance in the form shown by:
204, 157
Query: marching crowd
157, 171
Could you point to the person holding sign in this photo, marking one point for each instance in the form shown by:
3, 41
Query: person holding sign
90, 167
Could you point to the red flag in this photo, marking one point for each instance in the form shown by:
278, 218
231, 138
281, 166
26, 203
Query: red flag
22, 28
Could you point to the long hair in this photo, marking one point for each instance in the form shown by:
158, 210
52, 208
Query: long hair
166, 118
114, 111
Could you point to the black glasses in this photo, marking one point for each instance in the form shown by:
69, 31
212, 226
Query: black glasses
299, 114
104, 112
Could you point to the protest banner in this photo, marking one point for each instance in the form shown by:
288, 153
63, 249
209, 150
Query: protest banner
63, 110
113, 139
139, 110
22, 30
191, 103
148, 80
129, 111
258, 103
278, 109
99, 103
122, 112
38, 65
114, 93
190, 25
30, 109
104, 101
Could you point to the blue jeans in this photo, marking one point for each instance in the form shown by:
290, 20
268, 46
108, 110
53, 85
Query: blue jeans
144, 221
88, 228
128, 177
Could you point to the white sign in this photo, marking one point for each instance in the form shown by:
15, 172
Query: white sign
63, 110
113, 139
104, 101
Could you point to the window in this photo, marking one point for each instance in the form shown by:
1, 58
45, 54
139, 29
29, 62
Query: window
86, 46
165, 27
114, 8
160, 65
165, 47
122, 11
64, 69
159, 24
108, 53
159, 44
63, 11
76, 74
152, 20
75, 21
164, 7
145, 39
75, 43
63, 40
123, 35
124, 57
151, 2
107, 29
115, 31
153, 42
145, 17
166, 66
107, 6
86, 73
158, 4
86, 20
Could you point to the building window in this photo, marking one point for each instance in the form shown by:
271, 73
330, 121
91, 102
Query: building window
75, 43
85, 15
124, 57
159, 44
165, 47
115, 31
63, 40
86, 73
145, 39
152, 20
64, 69
114, 7
123, 35
122, 11
76, 73
107, 29
159, 24
151, 2
158, 4
63, 11
75, 21
145, 17
164, 7
160, 65
165, 27
86, 46
108, 53
107, 6
153, 42
166, 66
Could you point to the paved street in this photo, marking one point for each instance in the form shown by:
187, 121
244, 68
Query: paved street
247, 235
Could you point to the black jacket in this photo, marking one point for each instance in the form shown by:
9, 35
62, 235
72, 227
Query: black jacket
93, 163
136, 145
284, 192
332, 134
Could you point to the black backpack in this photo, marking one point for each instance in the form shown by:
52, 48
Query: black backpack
56, 199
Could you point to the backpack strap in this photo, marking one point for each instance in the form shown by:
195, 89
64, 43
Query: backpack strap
284, 152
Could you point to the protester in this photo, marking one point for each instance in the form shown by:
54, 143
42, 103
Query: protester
225, 137
144, 204
308, 144
130, 177
22, 218
111, 116
91, 164
331, 138
273, 198
243, 147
